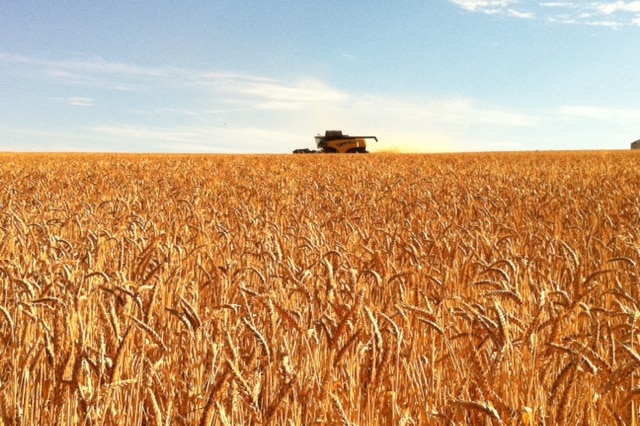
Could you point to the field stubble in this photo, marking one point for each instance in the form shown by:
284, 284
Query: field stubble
373, 289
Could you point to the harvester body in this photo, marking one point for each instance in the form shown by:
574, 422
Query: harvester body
334, 141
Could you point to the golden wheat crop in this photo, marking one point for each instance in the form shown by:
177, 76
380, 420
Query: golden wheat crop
494, 288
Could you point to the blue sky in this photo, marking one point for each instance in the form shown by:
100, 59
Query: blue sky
267, 76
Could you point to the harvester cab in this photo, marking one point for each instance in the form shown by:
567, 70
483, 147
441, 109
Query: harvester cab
334, 141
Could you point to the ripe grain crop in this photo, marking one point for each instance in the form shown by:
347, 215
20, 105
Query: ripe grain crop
490, 288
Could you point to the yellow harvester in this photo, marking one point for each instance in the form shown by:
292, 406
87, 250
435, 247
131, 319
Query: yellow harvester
334, 142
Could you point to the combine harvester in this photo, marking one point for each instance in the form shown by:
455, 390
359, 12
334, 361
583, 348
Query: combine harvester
334, 142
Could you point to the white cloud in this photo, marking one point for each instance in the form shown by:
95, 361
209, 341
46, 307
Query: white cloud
616, 14
94, 72
484, 6
607, 24
599, 113
609, 8
559, 4
613, 14
450, 111
494, 7
294, 96
80, 102
520, 14
92, 64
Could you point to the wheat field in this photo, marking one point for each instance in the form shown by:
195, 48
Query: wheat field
381, 289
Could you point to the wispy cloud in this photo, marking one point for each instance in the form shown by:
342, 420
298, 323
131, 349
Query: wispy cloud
599, 113
233, 92
271, 94
558, 4
495, 7
609, 8
92, 64
485, 6
456, 110
612, 14
94, 71
80, 102
205, 111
